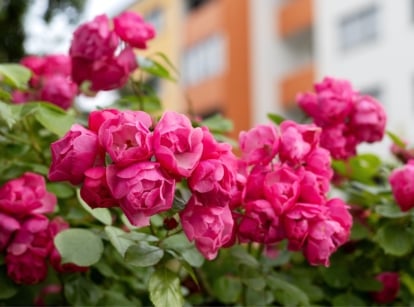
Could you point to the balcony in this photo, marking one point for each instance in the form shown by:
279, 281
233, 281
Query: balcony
298, 81
294, 16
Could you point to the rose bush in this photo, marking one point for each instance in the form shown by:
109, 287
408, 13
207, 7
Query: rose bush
134, 206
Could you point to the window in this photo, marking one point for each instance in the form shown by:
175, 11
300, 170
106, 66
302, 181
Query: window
156, 18
204, 60
359, 28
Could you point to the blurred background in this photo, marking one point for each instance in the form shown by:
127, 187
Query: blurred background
246, 58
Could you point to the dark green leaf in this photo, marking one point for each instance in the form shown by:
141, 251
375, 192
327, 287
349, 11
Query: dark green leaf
347, 299
241, 256
183, 247
79, 246
258, 298
61, 189
8, 288
165, 289
395, 239
390, 210
116, 298
337, 276
115, 236
286, 293
276, 118
366, 284
143, 254
15, 75
80, 291
227, 289
359, 231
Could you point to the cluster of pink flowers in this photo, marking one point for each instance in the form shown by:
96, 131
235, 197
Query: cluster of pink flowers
103, 55
26, 234
124, 159
50, 81
283, 183
402, 185
277, 189
346, 117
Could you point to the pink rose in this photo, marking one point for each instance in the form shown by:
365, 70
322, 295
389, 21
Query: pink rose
98, 117
57, 225
297, 141
313, 188
327, 232
132, 29
127, 137
390, 287
27, 253
177, 145
332, 103
282, 187
339, 141
143, 189
21, 97
211, 182
26, 195
254, 185
94, 40
319, 162
296, 223
260, 223
73, 154
95, 190
368, 120
217, 150
111, 72
210, 227
57, 64
402, 185
8, 225
260, 144
59, 90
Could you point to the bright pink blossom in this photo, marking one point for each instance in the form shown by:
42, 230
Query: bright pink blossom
211, 182
390, 287
254, 183
26, 195
339, 140
143, 189
95, 190
59, 90
368, 120
260, 144
260, 223
133, 29
127, 137
331, 104
98, 117
27, 253
8, 225
73, 154
402, 185
210, 227
319, 162
177, 145
297, 141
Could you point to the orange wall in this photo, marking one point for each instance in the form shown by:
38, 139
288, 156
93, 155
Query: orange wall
294, 16
230, 91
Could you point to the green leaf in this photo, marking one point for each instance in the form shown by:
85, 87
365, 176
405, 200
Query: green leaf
101, 214
286, 293
54, 118
227, 289
154, 68
337, 276
359, 231
395, 239
79, 246
252, 278
139, 236
242, 257
259, 298
143, 254
80, 291
116, 298
347, 299
165, 289
185, 248
366, 284
7, 115
165, 58
276, 118
390, 210
8, 288
61, 189
396, 140
115, 236
217, 123
15, 75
